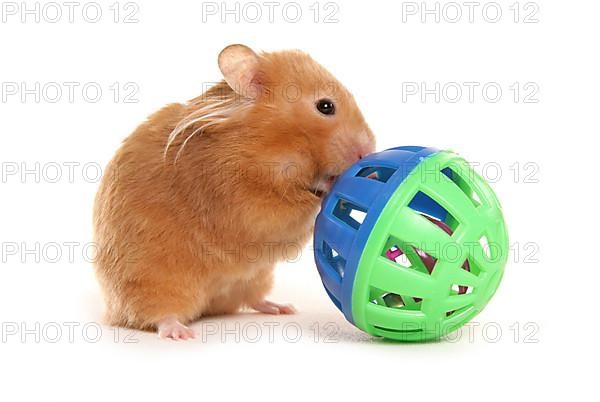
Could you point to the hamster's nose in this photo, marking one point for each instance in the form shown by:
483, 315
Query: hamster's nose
364, 150
359, 146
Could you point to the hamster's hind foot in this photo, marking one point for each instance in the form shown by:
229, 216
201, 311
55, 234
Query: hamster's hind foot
268, 307
170, 327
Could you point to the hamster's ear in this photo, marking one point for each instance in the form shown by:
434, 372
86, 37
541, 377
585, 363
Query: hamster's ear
239, 65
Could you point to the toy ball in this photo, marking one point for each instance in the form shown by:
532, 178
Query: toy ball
410, 243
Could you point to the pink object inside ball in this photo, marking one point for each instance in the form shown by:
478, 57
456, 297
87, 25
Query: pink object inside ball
429, 261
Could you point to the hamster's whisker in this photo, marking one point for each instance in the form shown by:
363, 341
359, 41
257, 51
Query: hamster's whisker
212, 111
320, 182
198, 130
188, 121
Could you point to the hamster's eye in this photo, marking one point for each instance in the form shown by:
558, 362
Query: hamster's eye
326, 106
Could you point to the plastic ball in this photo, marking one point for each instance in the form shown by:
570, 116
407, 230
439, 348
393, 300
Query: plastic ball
410, 243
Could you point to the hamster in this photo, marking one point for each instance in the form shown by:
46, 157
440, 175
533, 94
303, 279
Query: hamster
210, 194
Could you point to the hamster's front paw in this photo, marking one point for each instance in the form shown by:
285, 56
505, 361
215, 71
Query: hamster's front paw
268, 307
170, 327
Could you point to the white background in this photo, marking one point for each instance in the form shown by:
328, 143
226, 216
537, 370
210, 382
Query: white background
544, 152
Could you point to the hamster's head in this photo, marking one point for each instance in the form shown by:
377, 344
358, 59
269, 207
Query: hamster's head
299, 119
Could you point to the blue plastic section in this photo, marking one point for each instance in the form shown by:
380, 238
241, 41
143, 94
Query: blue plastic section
370, 195
425, 204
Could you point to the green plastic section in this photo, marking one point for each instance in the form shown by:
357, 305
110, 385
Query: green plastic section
408, 303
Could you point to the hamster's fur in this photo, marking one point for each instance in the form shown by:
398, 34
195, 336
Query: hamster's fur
205, 197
